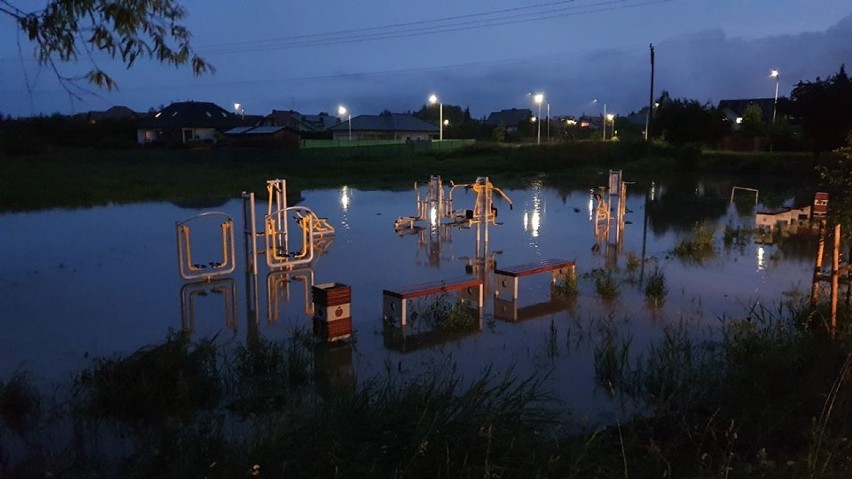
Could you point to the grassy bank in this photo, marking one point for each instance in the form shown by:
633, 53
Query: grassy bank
83, 177
769, 397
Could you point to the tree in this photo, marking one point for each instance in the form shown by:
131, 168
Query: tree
837, 181
681, 121
752, 125
130, 29
824, 110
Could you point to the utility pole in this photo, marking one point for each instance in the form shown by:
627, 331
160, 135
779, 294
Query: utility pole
650, 100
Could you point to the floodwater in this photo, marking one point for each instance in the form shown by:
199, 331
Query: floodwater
86, 283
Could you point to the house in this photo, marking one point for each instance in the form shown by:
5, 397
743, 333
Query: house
735, 109
509, 118
263, 136
387, 126
114, 113
184, 122
307, 126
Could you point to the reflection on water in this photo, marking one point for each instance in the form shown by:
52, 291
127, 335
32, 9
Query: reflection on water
83, 283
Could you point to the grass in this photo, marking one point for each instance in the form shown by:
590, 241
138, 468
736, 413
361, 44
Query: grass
698, 246
605, 284
52, 178
768, 396
175, 378
655, 288
443, 314
566, 288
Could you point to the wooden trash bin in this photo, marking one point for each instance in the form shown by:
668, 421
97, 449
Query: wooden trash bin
332, 311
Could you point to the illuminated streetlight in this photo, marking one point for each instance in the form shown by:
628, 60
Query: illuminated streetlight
603, 120
538, 98
341, 110
434, 99
611, 118
777, 76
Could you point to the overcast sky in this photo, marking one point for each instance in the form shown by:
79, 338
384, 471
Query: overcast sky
486, 55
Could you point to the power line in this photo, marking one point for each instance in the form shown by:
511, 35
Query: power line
429, 27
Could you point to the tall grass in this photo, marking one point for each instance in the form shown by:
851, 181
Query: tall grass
605, 284
655, 288
698, 246
444, 314
766, 395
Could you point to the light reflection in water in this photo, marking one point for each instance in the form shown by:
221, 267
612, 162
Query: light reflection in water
345, 198
345, 201
591, 205
761, 258
433, 216
532, 216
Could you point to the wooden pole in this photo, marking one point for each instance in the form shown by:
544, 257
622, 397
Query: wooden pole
835, 277
650, 117
818, 263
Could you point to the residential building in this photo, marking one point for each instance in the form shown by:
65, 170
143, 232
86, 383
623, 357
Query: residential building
509, 118
387, 126
184, 122
735, 109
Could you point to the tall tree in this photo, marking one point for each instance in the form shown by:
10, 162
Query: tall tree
681, 121
824, 109
64, 30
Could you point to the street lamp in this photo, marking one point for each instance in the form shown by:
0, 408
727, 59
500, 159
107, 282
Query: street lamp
538, 99
341, 110
434, 99
611, 118
603, 120
777, 76
548, 122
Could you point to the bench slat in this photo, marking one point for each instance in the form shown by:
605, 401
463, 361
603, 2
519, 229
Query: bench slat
434, 287
534, 268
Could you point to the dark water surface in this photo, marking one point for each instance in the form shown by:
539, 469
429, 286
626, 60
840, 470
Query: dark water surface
78, 284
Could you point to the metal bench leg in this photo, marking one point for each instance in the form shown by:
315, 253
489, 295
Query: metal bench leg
394, 310
506, 286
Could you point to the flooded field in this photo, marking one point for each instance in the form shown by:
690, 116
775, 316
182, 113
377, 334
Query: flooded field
80, 284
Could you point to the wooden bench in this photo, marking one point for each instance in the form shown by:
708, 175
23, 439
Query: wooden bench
395, 302
506, 279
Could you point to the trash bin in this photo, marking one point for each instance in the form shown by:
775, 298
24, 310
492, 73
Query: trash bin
332, 312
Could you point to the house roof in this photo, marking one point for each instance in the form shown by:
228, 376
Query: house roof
255, 130
387, 122
511, 117
297, 121
194, 114
737, 108
114, 113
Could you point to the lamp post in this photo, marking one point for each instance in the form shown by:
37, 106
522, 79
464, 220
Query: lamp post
538, 99
548, 122
611, 118
434, 99
777, 76
603, 121
341, 110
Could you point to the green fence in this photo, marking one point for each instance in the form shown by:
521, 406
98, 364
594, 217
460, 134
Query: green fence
343, 148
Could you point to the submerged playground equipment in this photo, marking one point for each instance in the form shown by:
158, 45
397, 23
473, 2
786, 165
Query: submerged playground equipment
607, 199
275, 233
435, 205
288, 253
